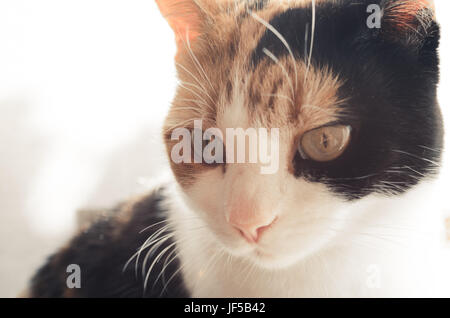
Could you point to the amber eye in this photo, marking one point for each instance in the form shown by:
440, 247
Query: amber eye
325, 143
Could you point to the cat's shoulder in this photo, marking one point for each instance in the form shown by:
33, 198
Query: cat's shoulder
113, 254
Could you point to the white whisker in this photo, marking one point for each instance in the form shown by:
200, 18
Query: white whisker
194, 58
200, 89
155, 242
195, 78
417, 157
193, 92
281, 38
155, 261
313, 27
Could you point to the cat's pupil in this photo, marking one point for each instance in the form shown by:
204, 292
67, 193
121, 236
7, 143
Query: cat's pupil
324, 140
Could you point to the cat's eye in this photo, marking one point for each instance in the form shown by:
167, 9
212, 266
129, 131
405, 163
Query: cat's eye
325, 143
198, 150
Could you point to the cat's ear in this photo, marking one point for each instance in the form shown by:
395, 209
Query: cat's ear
410, 21
185, 18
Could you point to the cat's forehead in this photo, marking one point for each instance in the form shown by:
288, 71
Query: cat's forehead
281, 94
296, 66
272, 90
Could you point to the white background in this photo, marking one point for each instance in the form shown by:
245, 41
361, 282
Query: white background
84, 86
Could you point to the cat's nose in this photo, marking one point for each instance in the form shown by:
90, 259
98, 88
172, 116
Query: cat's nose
252, 228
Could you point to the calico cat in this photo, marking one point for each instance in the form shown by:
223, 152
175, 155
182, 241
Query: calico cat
350, 86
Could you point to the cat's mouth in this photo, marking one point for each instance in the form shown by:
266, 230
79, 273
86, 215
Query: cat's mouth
262, 254
268, 260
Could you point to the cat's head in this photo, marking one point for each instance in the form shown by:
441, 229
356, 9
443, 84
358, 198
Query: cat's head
346, 89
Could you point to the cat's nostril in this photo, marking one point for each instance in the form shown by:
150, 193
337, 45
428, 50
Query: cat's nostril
260, 230
246, 235
252, 233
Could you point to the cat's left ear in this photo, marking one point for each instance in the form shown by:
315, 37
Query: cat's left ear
185, 17
409, 21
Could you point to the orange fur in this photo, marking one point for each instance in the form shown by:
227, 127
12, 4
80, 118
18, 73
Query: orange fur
404, 15
183, 16
214, 75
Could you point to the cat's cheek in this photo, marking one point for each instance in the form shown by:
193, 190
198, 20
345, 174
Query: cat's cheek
311, 218
205, 198
205, 193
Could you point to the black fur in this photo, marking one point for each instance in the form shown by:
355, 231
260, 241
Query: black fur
103, 250
390, 77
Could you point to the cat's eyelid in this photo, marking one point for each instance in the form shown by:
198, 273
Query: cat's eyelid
329, 124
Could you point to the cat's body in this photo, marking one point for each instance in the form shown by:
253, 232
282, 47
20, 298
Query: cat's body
357, 135
372, 258
102, 250
394, 259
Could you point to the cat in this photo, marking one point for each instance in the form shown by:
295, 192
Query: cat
350, 87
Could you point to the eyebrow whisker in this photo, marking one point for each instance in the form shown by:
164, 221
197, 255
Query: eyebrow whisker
280, 37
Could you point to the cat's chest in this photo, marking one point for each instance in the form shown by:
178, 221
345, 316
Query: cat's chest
330, 275
375, 270
386, 253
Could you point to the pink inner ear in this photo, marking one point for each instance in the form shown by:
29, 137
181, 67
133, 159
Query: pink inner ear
183, 16
405, 14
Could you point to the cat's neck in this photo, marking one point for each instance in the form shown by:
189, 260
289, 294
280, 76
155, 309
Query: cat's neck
386, 251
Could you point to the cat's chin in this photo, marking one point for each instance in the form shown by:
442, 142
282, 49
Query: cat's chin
272, 261
271, 257
265, 259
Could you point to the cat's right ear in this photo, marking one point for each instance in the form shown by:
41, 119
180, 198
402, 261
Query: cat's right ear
185, 17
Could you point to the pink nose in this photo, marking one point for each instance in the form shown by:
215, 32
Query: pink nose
252, 229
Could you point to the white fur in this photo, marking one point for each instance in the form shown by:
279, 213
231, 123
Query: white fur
320, 245
385, 246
